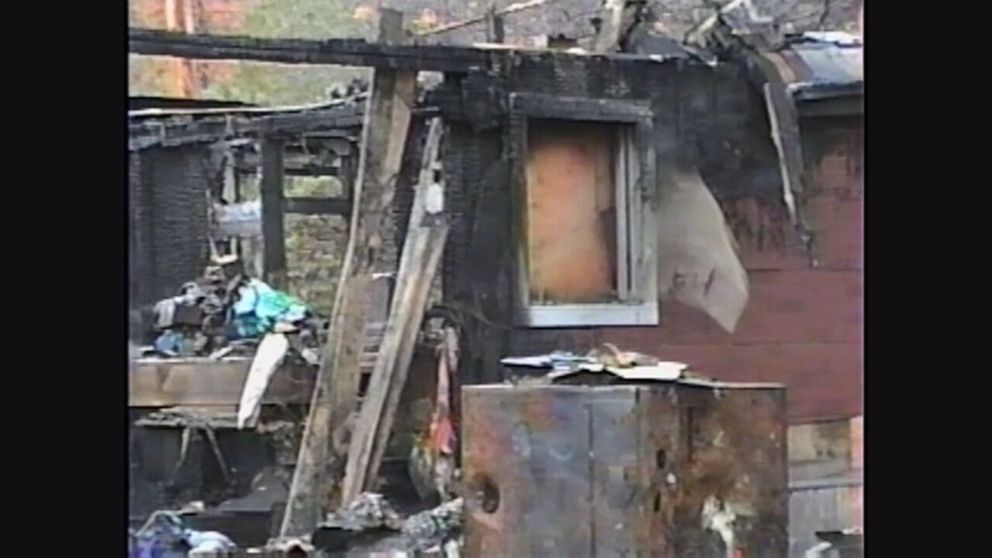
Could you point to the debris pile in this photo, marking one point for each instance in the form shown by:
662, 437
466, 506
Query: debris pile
226, 312
367, 522
604, 364
435, 528
165, 535
371, 523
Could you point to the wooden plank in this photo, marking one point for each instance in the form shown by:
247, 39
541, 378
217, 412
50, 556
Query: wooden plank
785, 134
193, 382
273, 229
307, 150
387, 121
608, 37
270, 353
422, 249
318, 206
784, 123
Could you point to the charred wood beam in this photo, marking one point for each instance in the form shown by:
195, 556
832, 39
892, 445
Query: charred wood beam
357, 52
318, 206
421, 256
313, 167
347, 52
250, 168
273, 208
313, 159
175, 132
336, 394
313, 170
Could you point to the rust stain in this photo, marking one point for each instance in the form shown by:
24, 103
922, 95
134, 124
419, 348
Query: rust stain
650, 478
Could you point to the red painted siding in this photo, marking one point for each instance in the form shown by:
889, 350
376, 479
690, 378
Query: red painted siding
802, 325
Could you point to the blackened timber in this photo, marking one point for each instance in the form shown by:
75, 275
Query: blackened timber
297, 170
422, 249
609, 110
175, 132
495, 27
273, 231
347, 52
357, 52
310, 157
318, 206
311, 170
384, 133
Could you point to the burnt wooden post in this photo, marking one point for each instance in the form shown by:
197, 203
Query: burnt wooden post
273, 202
346, 175
387, 119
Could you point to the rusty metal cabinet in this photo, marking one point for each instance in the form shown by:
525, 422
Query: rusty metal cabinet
682, 470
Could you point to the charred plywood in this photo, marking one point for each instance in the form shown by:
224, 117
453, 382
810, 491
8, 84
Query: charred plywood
625, 470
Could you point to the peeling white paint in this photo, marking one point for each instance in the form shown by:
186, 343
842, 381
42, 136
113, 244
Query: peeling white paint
718, 517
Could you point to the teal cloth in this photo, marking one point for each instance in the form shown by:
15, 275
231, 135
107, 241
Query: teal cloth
260, 307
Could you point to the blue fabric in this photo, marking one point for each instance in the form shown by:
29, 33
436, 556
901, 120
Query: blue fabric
209, 540
165, 537
260, 307
168, 343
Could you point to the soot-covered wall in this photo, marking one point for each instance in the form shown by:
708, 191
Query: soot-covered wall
702, 116
801, 325
168, 236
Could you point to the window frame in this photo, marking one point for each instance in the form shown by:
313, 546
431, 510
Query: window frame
637, 292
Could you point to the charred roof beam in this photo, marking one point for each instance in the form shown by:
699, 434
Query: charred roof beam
178, 131
347, 52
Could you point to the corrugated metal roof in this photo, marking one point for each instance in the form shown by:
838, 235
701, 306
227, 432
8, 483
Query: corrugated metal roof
820, 65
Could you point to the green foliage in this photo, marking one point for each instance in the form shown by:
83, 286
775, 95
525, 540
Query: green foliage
306, 19
270, 84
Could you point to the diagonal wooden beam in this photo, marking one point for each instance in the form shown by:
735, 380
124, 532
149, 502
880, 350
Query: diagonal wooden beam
384, 133
422, 249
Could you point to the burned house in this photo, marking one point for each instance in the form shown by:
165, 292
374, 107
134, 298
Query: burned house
704, 212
